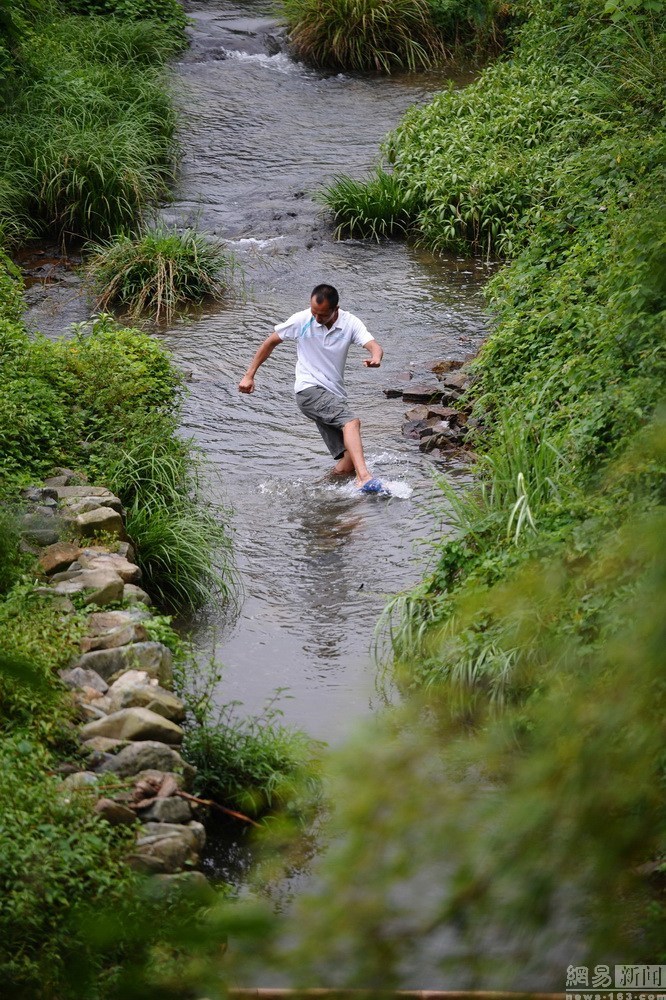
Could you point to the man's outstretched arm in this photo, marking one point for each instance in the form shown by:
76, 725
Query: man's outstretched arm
246, 384
376, 354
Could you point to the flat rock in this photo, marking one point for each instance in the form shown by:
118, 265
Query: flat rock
61, 492
100, 622
128, 571
169, 810
444, 441
154, 698
78, 677
132, 678
104, 519
115, 813
444, 413
114, 638
416, 393
151, 757
100, 587
412, 429
393, 391
194, 832
457, 380
444, 367
135, 724
60, 556
152, 657
135, 595
420, 412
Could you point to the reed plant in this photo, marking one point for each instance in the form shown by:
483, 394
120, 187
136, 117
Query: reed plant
159, 271
363, 35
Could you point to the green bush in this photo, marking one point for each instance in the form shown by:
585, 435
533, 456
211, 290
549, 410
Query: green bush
158, 272
55, 855
167, 12
36, 632
255, 764
365, 35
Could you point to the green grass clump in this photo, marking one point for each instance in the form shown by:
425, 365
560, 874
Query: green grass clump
158, 272
255, 764
375, 208
363, 35
87, 135
183, 545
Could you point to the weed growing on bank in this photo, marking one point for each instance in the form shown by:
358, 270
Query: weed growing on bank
86, 136
158, 272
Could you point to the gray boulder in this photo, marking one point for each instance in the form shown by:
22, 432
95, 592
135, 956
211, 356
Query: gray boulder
150, 756
135, 724
152, 657
77, 677
170, 810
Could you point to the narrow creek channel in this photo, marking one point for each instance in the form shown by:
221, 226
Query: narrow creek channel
260, 136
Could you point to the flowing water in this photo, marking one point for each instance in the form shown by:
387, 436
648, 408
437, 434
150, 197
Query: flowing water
262, 135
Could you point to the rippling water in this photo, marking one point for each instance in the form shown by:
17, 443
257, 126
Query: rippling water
261, 135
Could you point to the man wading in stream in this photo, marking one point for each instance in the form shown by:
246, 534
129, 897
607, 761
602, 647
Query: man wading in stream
323, 335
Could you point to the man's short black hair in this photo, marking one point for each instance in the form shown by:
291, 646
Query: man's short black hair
326, 293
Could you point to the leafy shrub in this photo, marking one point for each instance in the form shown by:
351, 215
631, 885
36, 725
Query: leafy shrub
255, 764
158, 272
479, 25
55, 855
365, 35
167, 12
34, 631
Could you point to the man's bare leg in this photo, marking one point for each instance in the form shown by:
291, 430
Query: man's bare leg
351, 433
344, 466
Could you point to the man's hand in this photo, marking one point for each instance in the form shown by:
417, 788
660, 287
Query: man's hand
376, 354
246, 384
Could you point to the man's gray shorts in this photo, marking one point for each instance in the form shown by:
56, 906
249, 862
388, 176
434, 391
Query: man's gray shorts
329, 412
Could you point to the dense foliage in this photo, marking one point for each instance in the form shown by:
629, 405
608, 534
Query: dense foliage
87, 126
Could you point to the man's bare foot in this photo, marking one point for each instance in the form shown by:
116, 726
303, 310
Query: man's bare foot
362, 480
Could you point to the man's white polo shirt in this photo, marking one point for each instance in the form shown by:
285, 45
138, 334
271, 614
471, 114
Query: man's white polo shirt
321, 352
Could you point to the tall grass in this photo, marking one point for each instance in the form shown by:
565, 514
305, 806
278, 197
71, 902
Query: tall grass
363, 35
183, 546
376, 208
159, 271
86, 141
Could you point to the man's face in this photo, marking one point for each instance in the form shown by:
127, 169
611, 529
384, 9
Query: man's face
322, 311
